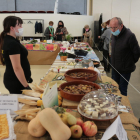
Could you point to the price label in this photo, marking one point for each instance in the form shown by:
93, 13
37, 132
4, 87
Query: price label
50, 97
8, 102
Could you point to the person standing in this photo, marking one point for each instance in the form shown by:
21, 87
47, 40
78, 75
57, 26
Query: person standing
49, 32
124, 53
61, 31
106, 39
101, 42
14, 55
87, 35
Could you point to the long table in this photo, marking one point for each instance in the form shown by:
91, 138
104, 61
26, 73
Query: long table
129, 121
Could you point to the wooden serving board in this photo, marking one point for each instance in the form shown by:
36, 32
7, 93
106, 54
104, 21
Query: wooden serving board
69, 104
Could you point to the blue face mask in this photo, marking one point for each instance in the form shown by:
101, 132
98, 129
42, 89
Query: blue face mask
50, 26
102, 29
116, 33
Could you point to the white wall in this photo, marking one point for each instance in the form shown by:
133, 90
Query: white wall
2, 17
102, 6
135, 18
73, 23
127, 10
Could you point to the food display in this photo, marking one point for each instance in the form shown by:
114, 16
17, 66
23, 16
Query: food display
4, 128
56, 119
35, 128
27, 114
71, 63
81, 74
79, 89
53, 124
77, 94
98, 106
92, 75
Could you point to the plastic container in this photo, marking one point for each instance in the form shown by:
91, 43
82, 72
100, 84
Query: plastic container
98, 106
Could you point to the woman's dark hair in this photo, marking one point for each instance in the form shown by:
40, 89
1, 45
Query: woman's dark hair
7, 23
62, 23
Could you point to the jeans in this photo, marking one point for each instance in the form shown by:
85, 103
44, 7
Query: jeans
123, 84
107, 57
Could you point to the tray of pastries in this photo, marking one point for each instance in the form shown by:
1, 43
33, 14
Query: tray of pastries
99, 106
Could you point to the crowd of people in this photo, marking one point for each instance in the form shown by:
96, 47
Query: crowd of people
61, 31
120, 51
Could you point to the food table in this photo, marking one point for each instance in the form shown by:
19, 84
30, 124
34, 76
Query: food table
129, 121
46, 56
42, 54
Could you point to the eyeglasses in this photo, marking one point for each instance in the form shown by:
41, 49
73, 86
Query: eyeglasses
113, 28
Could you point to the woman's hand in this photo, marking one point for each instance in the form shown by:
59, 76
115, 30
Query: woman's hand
61, 33
99, 37
51, 35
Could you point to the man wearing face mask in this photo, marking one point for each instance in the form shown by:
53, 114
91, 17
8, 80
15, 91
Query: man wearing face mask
124, 53
49, 32
14, 55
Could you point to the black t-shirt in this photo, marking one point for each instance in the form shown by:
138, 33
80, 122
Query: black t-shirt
12, 46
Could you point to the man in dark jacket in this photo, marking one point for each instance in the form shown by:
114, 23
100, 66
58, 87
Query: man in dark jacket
124, 53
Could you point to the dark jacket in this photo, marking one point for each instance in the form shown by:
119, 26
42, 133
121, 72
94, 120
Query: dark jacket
47, 33
38, 27
125, 51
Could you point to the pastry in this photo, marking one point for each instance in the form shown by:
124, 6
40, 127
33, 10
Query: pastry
96, 104
87, 106
103, 115
88, 113
97, 107
101, 105
80, 106
93, 101
95, 114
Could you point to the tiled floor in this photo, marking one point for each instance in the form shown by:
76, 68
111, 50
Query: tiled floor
38, 71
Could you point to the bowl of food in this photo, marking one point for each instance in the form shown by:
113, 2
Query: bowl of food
75, 90
81, 74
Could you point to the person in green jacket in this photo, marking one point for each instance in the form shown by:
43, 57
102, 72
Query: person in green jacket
49, 32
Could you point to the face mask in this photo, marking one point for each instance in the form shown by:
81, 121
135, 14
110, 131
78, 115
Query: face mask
60, 26
87, 29
50, 26
116, 33
102, 29
20, 32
